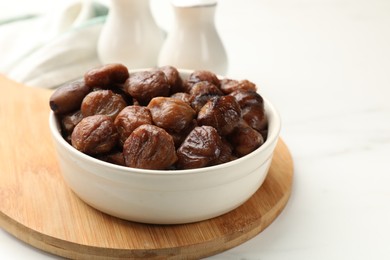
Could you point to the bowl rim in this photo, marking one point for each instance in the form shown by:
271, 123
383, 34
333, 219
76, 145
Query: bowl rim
272, 137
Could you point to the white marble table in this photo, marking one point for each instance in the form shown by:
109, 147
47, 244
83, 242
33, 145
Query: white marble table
326, 66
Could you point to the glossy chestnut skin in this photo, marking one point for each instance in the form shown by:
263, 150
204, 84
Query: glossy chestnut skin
205, 88
252, 106
230, 85
255, 117
129, 119
106, 76
69, 122
149, 147
102, 102
182, 96
223, 113
202, 146
68, 97
145, 85
247, 98
245, 139
173, 79
95, 135
201, 75
201, 92
172, 114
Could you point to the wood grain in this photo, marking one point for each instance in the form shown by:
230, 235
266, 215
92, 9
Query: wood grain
37, 207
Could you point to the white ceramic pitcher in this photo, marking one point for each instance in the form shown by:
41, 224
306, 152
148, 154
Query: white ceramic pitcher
194, 42
130, 35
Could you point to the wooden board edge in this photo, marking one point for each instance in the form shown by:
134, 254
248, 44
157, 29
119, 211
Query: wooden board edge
71, 250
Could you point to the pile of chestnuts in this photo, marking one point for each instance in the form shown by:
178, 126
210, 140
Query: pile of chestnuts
156, 119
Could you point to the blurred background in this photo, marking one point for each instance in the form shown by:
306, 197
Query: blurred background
280, 44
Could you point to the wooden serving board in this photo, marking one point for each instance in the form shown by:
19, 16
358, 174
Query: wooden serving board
37, 207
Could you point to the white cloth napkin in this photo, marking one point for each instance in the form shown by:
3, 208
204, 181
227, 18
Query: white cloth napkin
47, 51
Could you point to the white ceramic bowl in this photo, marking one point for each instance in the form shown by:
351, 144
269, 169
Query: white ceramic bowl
166, 196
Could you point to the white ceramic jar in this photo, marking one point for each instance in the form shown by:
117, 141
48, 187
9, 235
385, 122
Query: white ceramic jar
194, 43
130, 35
